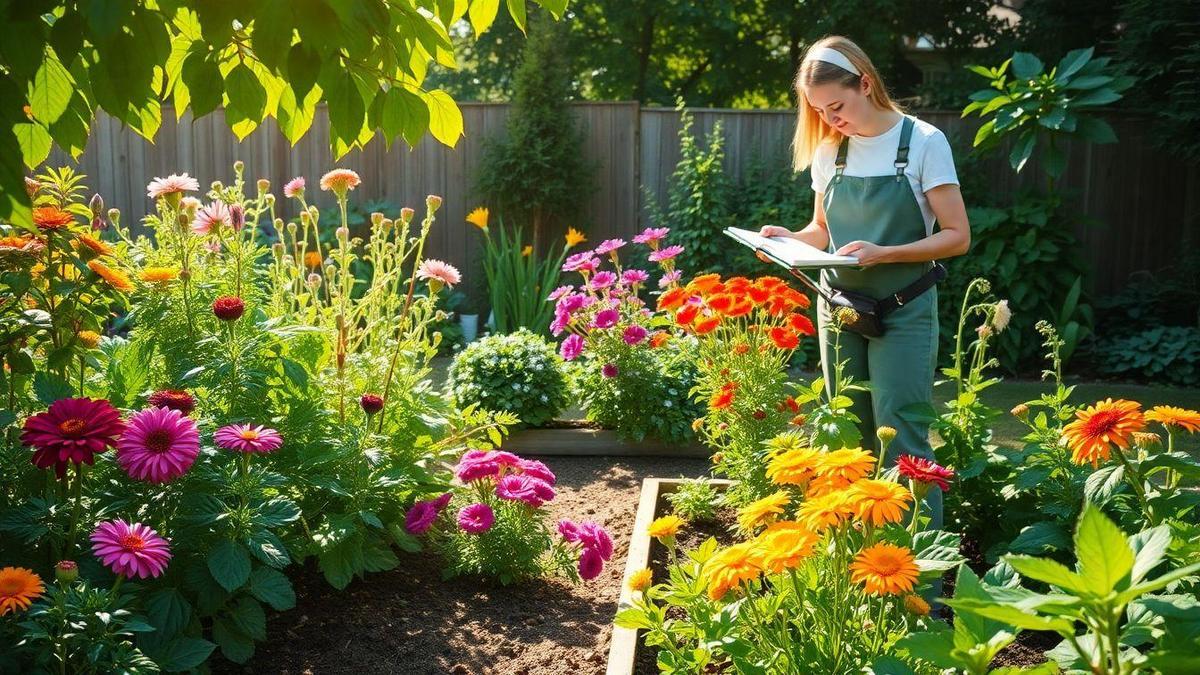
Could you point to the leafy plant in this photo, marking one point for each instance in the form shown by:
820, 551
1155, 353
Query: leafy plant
518, 373
694, 500
1160, 353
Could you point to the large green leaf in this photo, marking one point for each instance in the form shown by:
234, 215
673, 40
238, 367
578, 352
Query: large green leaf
229, 564
1048, 571
1105, 559
272, 587
1025, 65
50, 91
247, 100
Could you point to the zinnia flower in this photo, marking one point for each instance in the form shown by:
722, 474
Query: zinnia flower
824, 511
248, 438
1101, 426
572, 347
839, 468
634, 277
640, 580
130, 550
158, 445
651, 236
763, 511
340, 181
228, 308
477, 464
665, 527
524, 488
609, 370
114, 278
784, 545
371, 403
878, 502
173, 184
729, 568
574, 237
71, 430
438, 273
479, 217
211, 217
476, 518
590, 564
294, 188
634, 334
665, 253
1172, 416
419, 518
19, 587
175, 399
596, 538
50, 218
603, 279
885, 569
925, 471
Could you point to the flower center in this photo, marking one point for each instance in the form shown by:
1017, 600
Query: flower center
248, 435
72, 426
158, 441
133, 542
1103, 422
887, 566
10, 586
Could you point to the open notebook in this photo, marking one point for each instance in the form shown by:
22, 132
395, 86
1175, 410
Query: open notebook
788, 252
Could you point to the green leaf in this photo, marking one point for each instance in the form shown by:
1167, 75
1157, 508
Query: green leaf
1104, 483
1040, 537
1097, 97
1105, 558
1088, 82
404, 113
1095, 130
247, 100
168, 611
1012, 615
516, 9
346, 107
34, 141
303, 68
984, 132
204, 83
66, 36
268, 548
272, 587
482, 13
271, 32
1022, 150
1072, 62
1158, 583
234, 645
250, 618
445, 119
184, 654
49, 387
50, 91
229, 564
1026, 66
1048, 571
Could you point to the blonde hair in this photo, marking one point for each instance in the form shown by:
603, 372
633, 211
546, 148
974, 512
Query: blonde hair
811, 130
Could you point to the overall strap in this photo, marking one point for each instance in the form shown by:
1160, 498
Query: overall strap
902, 151
839, 164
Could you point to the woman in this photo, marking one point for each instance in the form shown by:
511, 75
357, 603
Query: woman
881, 180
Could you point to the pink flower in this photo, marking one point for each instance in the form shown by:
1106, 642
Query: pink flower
592, 536
581, 260
443, 501
572, 303
606, 318
71, 430
340, 181
248, 438
477, 464
568, 531
443, 272
609, 245
634, 334
130, 550
590, 564
476, 518
294, 188
651, 236
560, 323
210, 217
420, 517
173, 184
536, 469
559, 292
669, 278
603, 280
237, 216
522, 488
571, 347
634, 276
609, 370
158, 445
665, 253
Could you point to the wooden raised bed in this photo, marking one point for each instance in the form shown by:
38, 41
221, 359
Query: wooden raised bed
622, 651
589, 441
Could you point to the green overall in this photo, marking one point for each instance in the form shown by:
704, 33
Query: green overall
899, 365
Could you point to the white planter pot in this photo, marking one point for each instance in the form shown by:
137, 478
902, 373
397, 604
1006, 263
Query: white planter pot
470, 326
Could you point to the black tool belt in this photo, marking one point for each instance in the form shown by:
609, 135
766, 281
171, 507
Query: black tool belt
869, 312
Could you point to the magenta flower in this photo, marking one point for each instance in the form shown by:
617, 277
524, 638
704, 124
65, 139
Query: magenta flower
568, 531
420, 517
248, 438
579, 260
571, 303
571, 347
173, 184
609, 370
608, 246
592, 536
71, 430
606, 318
477, 464
294, 188
158, 445
665, 253
538, 470
476, 518
237, 216
669, 278
560, 323
634, 334
651, 236
634, 276
560, 292
590, 564
130, 550
176, 399
523, 488
603, 280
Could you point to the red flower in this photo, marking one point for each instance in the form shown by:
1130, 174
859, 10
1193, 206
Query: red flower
724, 398
801, 324
707, 325
784, 338
925, 471
686, 315
228, 307
72, 430
659, 339
672, 298
175, 399
371, 403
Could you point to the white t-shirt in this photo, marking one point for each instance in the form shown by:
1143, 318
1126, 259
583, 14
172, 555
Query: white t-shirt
930, 162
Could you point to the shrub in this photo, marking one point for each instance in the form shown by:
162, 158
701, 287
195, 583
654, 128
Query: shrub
695, 500
517, 373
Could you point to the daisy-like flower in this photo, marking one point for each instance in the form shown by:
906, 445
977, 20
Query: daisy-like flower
634, 276
878, 502
476, 518
640, 580
1170, 416
479, 217
651, 236
130, 550
340, 181
732, 566
560, 292
825, 511
925, 471
71, 430
51, 218
248, 438
294, 188
609, 246
665, 527
571, 347
438, 273
574, 237
796, 466
659, 255
159, 275
669, 278
578, 261
211, 217
478, 464
763, 511
524, 488
158, 445
785, 545
841, 467
92, 244
603, 279
115, 278
171, 185
1101, 426
633, 334
19, 587
175, 399
606, 318
885, 569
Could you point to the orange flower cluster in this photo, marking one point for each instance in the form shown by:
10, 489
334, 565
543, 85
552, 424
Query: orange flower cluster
1100, 427
768, 304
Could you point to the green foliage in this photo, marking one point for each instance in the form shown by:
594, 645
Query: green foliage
1160, 354
694, 500
259, 60
516, 548
518, 279
517, 373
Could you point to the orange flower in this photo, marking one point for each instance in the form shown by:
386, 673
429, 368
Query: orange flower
779, 306
839, 468
793, 467
758, 294
641, 579
1168, 415
741, 348
687, 314
115, 278
705, 284
784, 545
763, 511
916, 604
312, 260
723, 398
737, 284
51, 217
729, 568
824, 511
878, 502
802, 324
771, 283
98, 247
1100, 426
741, 307
667, 526
885, 569
19, 587
707, 325
720, 302
672, 299
574, 237
784, 338
479, 218
527, 251
659, 339
159, 275
88, 338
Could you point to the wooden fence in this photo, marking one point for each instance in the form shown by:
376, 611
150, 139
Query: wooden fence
1146, 205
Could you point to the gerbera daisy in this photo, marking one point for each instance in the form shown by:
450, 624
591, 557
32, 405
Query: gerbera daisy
71, 430
1099, 427
577, 262
729, 568
640, 580
824, 511
158, 445
159, 275
784, 545
437, 273
633, 277
793, 467
763, 511
175, 399
171, 185
1168, 415
885, 569
878, 502
130, 550
479, 217
50, 218
664, 254
665, 527
609, 246
248, 438
651, 236
839, 468
340, 181
19, 587
476, 518
574, 237
117, 279
294, 188
925, 471
212, 217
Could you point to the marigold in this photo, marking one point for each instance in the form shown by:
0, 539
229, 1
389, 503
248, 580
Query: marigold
479, 217
52, 217
885, 569
784, 545
763, 511
672, 299
729, 568
1099, 427
19, 587
916, 604
667, 526
159, 275
822, 512
784, 338
641, 580
793, 467
878, 502
312, 260
839, 468
115, 278
724, 398
574, 237
93, 244
659, 338
88, 338
705, 284
1168, 415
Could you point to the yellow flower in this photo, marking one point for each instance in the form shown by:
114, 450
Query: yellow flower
824, 511
729, 568
159, 275
784, 545
640, 580
793, 467
19, 587
574, 237
479, 218
115, 278
667, 526
763, 511
88, 338
885, 569
840, 468
527, 251
916, 604
878, 502
886, 434
1101, 426
93, 244
1168, 415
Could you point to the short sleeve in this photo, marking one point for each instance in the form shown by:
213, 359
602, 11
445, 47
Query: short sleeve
937, 164
822, 166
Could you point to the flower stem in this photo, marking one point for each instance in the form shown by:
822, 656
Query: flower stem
77, 498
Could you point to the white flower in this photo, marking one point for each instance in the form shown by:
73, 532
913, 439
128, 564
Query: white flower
667, 403
545, 399
516, 387
1001, 316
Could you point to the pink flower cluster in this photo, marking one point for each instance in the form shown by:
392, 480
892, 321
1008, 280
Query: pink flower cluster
595, 545
421, 515
516, 479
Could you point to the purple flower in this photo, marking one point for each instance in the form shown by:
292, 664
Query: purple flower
522, 488
609, 245
538, 470
592, 536
669, 278
590, 564
578, 260
476, 518
572, 347
665, 253
634, 334
443, 501
609, 370
606, 318
603, 280
420, 517
477, 464
568, 531
560, 292
634, 276
651, 235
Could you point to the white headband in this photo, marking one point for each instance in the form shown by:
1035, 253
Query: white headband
830, 55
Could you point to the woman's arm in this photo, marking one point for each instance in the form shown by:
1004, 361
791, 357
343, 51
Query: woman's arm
953, 237
814, 234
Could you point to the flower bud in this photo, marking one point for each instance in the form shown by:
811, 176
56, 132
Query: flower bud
238, 167
330, 270
313, 280
697, 424
216, 186
985, 286
342, 233
237, 216
190, 205
270, 199
96, 205
305, 219
291, 229
371, 403
66, 571
1147, 440
277, 250
98, 223
1020, 411
984, 331
114, 216
433, 203
406, 215
886, 434
228, 308
263, 185
376, 218
32, 187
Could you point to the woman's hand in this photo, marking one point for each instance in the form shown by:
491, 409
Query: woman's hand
868, 254
774, 231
